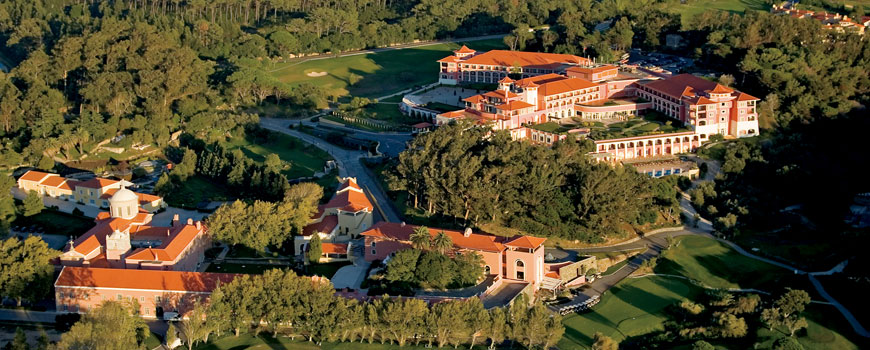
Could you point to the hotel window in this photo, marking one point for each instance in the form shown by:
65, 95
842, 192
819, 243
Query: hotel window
141, 299
157, 299
120, 297
60, 295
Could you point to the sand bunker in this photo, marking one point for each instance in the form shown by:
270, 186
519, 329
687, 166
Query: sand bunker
316, 74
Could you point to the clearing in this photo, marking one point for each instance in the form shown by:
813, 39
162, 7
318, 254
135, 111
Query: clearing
374, 74
692, 8
304, 159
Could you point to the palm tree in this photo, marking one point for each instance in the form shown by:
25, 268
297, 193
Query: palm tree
420, 239
442, 242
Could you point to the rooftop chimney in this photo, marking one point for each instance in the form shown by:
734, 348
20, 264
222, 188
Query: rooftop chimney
199, 225
174, 219
190, 221
403, 224
467, 232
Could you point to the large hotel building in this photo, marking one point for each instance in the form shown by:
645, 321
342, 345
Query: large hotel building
555, 87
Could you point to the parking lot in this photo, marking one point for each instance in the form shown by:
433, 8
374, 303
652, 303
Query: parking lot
671, 63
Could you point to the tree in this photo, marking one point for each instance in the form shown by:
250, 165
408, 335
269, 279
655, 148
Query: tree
442, 243
794, 324
771, 317
421, 239
787, 343
402, 266
726, 79
497, 329
469, 268
315, 249
171, 335
32, 204
273, 163
195, 327
702, 345
7, 204
792, 301
603, 342
25, 268
731, 326
42, 342
112, 325
19, 342
45, 163
435, 270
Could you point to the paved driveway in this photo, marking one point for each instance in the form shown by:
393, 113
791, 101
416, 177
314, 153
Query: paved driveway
348, 164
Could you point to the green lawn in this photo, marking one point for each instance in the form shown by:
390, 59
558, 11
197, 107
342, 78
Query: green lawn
636, 306
632, 307
304, 159
716, 265
376, 74
198, 189
56, 222
695, 7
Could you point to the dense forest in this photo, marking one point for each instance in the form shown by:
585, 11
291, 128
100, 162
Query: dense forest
556, 192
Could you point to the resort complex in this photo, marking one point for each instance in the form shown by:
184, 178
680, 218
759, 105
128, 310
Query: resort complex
544, 106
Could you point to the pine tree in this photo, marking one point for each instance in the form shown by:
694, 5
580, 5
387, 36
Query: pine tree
171, 335
315, 249
19, 342
32, 204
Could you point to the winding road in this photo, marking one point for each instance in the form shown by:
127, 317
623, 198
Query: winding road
348, 164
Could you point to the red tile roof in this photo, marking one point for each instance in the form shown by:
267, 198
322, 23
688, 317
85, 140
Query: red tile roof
53, 181
350, 200
464, 49
676, 85
742, 96
33, 175
528, 242
554, 84
170, 249
422, 125
506, 80
587, 70
721, 89
475, 241
348, 182
507, 58
502, 94
514, 105
97, 183
326, 225
334, 248
175, 281
473, 99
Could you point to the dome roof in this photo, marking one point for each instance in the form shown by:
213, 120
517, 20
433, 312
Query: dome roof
124, 195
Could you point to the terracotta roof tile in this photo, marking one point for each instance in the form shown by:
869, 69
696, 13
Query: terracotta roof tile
464, 49
473, 99
514, 105
721, 89
676, 85
507, 58
181, 237
177, 281
745, 97
326, 225
334, 248
97, 183
475, 241
53, 181
33, 175
528, 242
350, 200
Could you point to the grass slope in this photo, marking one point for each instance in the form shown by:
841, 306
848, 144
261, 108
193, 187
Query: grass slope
693, 8
377, 74
716, 265
632, 307
304, 159
56, 222
636, 306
